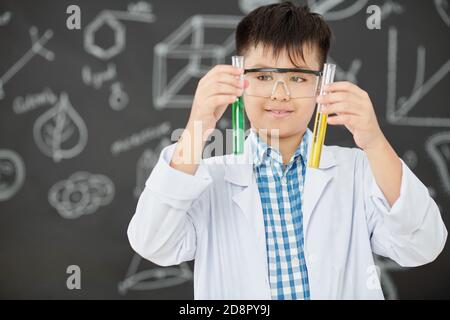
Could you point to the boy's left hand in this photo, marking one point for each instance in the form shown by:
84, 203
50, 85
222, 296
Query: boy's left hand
354, 110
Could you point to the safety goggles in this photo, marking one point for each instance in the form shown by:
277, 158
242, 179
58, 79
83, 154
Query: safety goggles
297, 83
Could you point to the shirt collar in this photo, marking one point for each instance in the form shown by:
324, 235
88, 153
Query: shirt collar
265, 154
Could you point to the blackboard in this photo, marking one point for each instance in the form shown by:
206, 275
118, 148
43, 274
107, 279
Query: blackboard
84, 114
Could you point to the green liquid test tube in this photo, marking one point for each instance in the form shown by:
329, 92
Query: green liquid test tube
238, 125
237, 110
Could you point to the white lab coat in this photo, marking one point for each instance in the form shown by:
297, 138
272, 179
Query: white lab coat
215, 217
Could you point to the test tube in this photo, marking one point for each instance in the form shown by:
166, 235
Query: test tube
320, 123
237, 111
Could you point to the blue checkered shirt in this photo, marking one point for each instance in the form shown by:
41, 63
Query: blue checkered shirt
281, 188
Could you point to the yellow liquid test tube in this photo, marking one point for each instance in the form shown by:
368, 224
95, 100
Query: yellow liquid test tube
320, 122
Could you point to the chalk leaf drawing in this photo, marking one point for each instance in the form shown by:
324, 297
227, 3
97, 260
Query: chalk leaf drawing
60, 132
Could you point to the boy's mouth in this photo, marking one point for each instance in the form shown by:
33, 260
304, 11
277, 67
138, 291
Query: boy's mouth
279, 113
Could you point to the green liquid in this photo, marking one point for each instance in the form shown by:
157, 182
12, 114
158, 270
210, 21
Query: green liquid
237, 110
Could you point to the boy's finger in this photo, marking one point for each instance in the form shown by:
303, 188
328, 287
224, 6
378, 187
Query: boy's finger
228, 79
334, 97
342, 86
218, 88
228, 69
339, 108
222, 99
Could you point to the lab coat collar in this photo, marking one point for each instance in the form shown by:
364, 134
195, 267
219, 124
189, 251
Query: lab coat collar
239, 168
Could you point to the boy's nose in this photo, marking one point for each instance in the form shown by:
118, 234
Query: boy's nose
280, 91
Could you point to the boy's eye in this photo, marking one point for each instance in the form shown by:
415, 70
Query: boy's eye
297, 79
264, 77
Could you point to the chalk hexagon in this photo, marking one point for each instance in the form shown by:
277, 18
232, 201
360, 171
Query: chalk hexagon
119, 36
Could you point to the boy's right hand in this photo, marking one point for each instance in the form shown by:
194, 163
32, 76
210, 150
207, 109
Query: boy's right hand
215, 91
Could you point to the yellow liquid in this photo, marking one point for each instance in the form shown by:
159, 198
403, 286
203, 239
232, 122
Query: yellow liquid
320, 128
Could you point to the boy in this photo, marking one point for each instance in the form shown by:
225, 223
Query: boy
271, 228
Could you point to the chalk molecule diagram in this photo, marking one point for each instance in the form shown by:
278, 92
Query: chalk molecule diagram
81, 194
139, 12
111, 18
37, 48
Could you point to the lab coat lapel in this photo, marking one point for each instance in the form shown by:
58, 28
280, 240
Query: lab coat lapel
316, 181
240, 172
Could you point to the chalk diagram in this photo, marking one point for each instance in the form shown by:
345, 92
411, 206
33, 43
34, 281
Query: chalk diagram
410, 158
81, 194
347, 8
351, 74
140, 138
12, 173
247, 6
166, 92
333, 10
153, 279
97, 79
398, 109
443, 8
390, 7
438, 148
5, 18
139, 12
60, 132
23, 104
109, 19
387, 266
37, 48
118, 98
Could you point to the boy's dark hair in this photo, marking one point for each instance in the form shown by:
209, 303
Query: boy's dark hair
284, 26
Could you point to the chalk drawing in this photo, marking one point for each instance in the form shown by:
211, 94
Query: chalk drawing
12, 173
37, 48
60, 132
82, 194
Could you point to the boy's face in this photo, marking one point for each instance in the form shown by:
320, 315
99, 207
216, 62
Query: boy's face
257, 108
